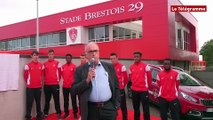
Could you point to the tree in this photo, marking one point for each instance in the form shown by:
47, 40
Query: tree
207, 52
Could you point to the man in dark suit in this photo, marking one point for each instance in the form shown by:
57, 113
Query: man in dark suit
97, 85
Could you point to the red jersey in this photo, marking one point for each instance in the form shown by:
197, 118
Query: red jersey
82, 64
33, 74
67, 72
168, 82
140, 76
52, 72
121, 74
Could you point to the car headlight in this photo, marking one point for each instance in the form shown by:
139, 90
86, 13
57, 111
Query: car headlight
188, 97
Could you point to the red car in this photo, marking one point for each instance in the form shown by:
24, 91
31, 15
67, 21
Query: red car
196, 99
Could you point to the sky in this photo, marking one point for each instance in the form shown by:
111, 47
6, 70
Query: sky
13, 11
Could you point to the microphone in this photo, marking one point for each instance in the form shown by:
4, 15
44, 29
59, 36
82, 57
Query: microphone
92, 63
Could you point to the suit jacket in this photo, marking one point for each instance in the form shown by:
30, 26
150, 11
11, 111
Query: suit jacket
83, 89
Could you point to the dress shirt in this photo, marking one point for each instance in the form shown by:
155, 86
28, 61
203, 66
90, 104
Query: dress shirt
101, 91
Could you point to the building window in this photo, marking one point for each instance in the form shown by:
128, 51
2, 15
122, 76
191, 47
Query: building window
43, 41
127, 30
179, 39
133, 34
121, 31
182, 37
118, 33
186, 41
140, 35
25, 43
50, 41
99, 34
2, 45
32, 42
62, 38
53, 39
16, 44
10, 46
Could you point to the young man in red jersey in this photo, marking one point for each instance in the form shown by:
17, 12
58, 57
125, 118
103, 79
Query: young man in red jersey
68, 71
33, 77
52, 75
169, 81
122, 79
141, 78
83, 59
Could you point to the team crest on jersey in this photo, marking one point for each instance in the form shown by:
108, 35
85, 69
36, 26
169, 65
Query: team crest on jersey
73, 34
141, 68
171, 77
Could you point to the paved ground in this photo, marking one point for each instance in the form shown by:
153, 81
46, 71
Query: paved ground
154, 110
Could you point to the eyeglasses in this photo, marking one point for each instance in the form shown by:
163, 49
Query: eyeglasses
93, 51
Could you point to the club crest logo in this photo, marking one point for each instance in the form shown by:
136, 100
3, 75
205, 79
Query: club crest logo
73, 34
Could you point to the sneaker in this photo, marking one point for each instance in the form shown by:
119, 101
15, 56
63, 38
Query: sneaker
39, 118
59, 116
66, 116
75, 116
45, 116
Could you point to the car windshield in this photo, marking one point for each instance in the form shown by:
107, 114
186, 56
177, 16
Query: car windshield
188, 80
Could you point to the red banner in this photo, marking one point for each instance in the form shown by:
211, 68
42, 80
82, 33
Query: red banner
188, 8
